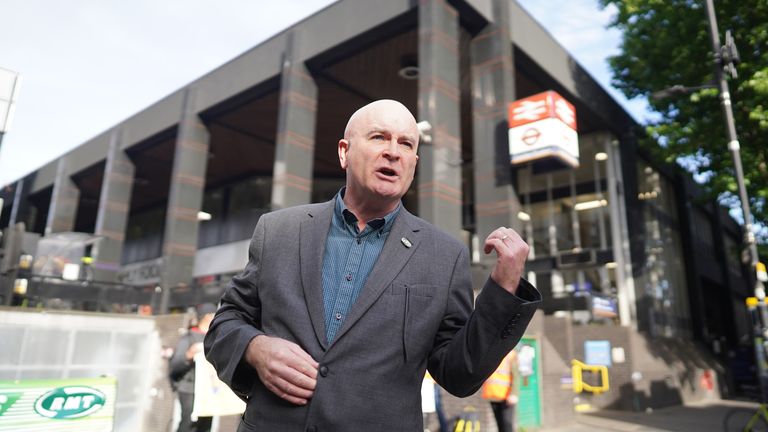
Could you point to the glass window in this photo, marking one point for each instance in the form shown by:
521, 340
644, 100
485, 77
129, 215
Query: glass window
656, 191
568, 208
732, 254
251, 194
213, 202
144, 235
323, 189
662, 285
235, 209
702, 226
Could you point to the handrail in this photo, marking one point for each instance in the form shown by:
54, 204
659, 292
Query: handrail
580, 386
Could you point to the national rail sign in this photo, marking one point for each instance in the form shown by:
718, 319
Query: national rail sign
543, 126
77, 405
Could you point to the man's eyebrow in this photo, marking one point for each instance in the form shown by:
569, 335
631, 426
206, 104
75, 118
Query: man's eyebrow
377, 129
385, 131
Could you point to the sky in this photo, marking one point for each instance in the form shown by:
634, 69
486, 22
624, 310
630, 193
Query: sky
86, 65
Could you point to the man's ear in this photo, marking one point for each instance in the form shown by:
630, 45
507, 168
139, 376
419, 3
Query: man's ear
343, 150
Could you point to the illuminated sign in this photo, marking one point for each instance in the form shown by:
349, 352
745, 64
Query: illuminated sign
543, 126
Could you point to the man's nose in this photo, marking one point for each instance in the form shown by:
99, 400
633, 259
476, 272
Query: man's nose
392, 151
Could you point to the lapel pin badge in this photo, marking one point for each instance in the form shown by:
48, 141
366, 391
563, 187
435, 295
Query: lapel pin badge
407, 243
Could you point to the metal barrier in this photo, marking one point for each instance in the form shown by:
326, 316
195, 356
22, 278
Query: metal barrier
54, 345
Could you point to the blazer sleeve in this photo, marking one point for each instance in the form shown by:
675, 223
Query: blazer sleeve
469, 345
237, 321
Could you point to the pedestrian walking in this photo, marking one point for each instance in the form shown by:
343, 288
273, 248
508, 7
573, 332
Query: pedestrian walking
182, 369
501, 389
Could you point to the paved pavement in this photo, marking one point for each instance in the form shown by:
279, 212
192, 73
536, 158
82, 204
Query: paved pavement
701, 416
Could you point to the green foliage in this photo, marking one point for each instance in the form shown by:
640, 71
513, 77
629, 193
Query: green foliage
667, 42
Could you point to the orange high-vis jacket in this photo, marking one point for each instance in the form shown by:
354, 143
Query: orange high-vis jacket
502, 383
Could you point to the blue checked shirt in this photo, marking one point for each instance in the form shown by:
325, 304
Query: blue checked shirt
348, 260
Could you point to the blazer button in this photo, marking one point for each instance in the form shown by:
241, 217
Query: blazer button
324, 371
311, 429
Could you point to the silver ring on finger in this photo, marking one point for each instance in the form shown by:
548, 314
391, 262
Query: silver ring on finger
504, 237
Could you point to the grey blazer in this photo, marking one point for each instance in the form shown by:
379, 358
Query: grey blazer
414, 312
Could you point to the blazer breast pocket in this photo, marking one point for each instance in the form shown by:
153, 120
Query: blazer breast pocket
420, 290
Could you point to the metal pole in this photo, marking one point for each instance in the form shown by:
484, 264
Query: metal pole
749, 236
733, 146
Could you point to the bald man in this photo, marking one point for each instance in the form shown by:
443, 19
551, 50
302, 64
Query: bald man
344, 304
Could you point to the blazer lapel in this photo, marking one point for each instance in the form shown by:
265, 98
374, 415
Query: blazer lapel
314, 231
391, 261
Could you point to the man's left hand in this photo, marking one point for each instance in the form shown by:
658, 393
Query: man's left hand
511, 253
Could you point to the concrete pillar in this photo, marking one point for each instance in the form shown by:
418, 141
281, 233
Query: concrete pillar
439, 177
19, 207
627, 299
185, 199
64, 200
10, 260
493, 88
114, 206
295, 146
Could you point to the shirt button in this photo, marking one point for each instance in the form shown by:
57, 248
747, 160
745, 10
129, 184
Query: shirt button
338, 316
349, 277
324, 371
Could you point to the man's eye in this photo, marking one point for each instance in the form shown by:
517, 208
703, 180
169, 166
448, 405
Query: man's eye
407, 144
378, 137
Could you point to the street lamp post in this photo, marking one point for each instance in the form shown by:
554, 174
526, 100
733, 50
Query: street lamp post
9, 89
724, 57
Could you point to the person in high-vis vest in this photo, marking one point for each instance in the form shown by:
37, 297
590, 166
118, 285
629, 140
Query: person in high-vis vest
501, 389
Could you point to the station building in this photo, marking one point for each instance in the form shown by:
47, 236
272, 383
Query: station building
622, 248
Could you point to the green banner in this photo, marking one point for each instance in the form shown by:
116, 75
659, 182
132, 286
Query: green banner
77, 405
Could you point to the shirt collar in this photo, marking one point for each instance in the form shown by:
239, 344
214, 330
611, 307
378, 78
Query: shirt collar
345, 216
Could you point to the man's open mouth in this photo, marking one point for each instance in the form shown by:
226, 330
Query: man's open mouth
387, 172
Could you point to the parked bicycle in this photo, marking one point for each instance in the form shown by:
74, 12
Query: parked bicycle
747, 420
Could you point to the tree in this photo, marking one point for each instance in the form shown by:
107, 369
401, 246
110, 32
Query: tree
667, 42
